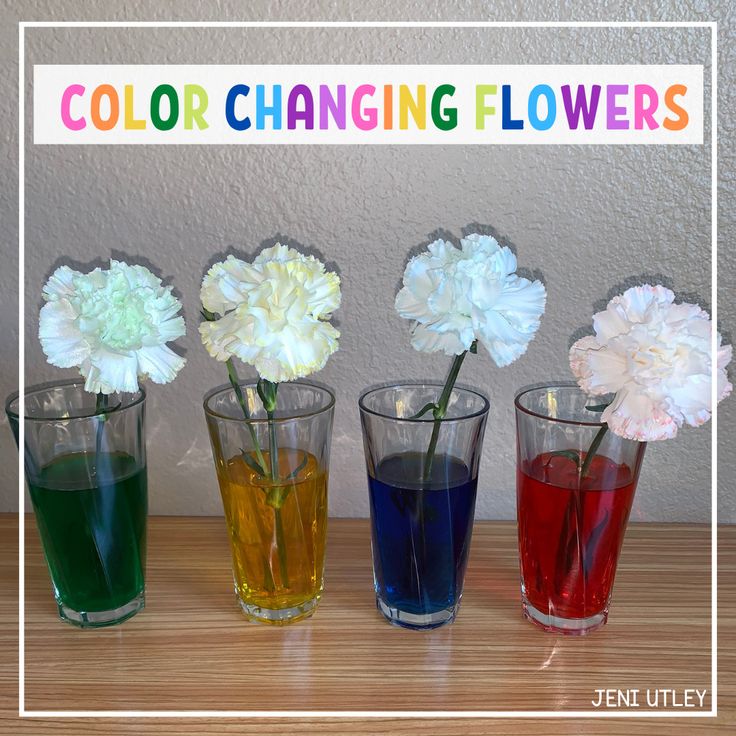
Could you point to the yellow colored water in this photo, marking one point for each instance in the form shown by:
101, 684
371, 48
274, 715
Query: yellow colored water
277, 531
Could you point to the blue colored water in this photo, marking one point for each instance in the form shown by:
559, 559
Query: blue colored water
421, 532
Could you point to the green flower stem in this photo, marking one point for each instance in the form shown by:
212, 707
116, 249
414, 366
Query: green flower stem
235, 383
274, 474
592, 450
440, 410
268, 393
101, 408
269, 582
281, 544
101, 404
274, 451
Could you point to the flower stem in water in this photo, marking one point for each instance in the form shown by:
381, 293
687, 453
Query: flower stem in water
440, 410
268, 393
235, 383
592, 450
100, 412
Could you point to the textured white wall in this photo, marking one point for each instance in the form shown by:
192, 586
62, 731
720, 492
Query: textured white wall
588, 219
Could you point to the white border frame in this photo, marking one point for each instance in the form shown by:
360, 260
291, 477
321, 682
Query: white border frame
356, 714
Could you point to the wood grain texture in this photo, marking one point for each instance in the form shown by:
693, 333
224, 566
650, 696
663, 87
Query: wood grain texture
192, 649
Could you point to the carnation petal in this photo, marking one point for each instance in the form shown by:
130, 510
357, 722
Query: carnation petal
274, 318
607, 370
99, 320
725, 354
656, 357
135, 275
635, 416
442, 250
170, 329
610, 323
475, 243
522, 301
473, 292
427, 340
112, 372
443, 300
62, 342
501, 339
409, 306
505, 261
486, 293
277, 253
418, 282
691, 401
226, 285
220, 336
159, 363
302, 352
692, 315
579, 360
504, 354
60, 284
324, 294
637, 300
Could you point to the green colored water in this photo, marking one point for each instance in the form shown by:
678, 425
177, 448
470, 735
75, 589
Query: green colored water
92, 521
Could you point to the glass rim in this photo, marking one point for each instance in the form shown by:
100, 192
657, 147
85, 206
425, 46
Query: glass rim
139, 398
418, 420
217, 390
552, 384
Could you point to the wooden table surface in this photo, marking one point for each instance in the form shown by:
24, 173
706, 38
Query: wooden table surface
191, 649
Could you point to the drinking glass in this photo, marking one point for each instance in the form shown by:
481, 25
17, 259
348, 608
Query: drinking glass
86, 474
422, 498
277, 521
572, 508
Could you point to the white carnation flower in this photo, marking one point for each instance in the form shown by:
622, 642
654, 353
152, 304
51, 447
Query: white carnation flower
113, 324
655, 355
459, 295
274, 312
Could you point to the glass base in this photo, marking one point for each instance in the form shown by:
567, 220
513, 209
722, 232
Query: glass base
98, 619
415, 620
278, 616
559, 625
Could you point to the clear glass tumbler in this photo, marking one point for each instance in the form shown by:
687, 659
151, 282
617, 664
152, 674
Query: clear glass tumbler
276, 512
87, 479
572, 506
422, 502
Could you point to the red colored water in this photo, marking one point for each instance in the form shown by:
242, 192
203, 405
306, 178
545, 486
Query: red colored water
570, 537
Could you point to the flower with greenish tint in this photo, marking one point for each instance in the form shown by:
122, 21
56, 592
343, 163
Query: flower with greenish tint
656, 357
459, 295
274, 312
113, 325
